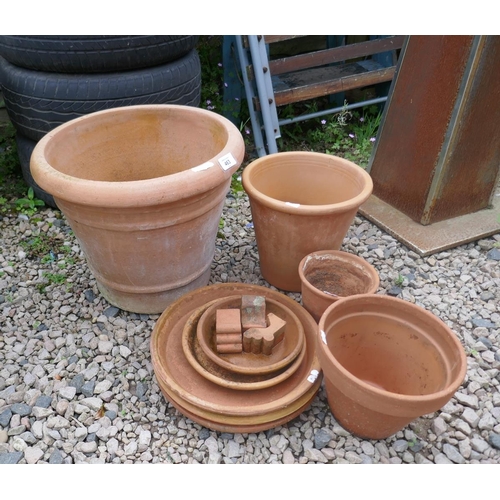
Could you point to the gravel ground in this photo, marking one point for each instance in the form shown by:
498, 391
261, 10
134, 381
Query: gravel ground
77, 384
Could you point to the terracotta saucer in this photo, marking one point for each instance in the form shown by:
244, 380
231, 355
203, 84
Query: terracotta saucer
243, 424
248, 363
179, 379
219, 375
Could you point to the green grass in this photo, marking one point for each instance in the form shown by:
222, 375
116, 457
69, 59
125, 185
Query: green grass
45, 247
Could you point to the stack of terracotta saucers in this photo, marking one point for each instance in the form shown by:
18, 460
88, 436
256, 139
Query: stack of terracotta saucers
240, 391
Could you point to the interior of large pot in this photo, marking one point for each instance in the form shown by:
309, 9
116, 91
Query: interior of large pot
337, 276
393, 352
307, 178
136, 143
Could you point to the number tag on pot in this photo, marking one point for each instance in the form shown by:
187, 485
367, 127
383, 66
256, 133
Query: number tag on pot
227, 161
313, 376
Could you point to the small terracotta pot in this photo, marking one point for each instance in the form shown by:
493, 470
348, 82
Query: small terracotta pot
301, 202
143, 188
386, 362
329, 275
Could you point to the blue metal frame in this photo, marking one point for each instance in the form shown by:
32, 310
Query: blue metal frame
265, 123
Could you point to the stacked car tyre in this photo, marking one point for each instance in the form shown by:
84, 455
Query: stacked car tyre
49, 80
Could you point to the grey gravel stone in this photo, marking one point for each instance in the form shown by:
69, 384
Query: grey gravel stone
5, 417
400, 446
494, 254
77, 382
439, 426
204, 433
480, 322
88, 388
322, 437
68, 392
33, 454
21, 409
468, 400
112, 415
453, 454
11, 458
288, 457
56, 457
442, 459
89, 295
43, 401
140, 390
486, 296
394, 291
494, 440
471, 417
353, 458
479, 445
111, 312
420, 459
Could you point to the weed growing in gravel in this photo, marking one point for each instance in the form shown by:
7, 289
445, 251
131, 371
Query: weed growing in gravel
30, 204
399, 280
44, 247
52, 279
220, 233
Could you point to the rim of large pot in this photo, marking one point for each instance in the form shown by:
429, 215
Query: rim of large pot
345, 256
299, 209
381, 394
192, 181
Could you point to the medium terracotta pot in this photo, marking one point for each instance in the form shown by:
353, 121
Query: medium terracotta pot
329, 275
386, 362
143, 189
301, 202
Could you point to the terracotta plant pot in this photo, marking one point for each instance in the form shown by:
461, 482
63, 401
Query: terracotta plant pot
329, 275
143, 188
386, 362
301, 202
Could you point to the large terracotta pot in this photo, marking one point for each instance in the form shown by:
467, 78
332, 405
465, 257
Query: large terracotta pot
329, 275
143, 189
386, 362
301, 202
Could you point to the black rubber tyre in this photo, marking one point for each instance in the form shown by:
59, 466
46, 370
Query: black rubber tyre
25, 147
93, 53
37, 102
